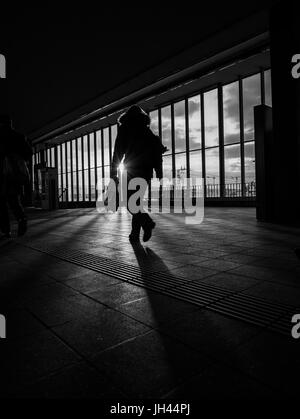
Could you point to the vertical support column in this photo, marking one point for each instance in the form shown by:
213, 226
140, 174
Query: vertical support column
89, 165
187, 139
42, 157
242, 136
159, 124
102, 151
203, 143
173, 141
61, 173
160, 136
77, 171
71, 170
110, 143
262, 86
55, 157
264, 157
82, 171
95, 162
221, 141
66, 171
56, 166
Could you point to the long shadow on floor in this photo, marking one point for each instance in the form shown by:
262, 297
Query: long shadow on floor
151, 364
193, 342
172, 361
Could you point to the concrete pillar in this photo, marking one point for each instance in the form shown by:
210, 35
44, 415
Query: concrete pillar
264, 159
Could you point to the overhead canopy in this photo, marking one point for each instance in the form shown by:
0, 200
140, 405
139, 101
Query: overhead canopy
61, 62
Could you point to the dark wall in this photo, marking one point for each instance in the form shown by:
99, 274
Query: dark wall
285, 42
60, 59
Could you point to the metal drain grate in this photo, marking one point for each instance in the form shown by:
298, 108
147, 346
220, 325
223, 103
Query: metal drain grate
254, 310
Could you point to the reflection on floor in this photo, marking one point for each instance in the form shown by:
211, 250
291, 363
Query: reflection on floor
116, 323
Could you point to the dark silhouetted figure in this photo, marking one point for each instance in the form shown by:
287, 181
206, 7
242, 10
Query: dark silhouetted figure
14, 152
142, 152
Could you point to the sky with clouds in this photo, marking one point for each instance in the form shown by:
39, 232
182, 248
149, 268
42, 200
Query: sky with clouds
232, 151
251, 97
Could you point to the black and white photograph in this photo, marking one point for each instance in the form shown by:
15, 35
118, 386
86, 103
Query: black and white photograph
150, 204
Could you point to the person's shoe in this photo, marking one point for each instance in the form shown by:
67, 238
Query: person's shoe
22, 227
148, 231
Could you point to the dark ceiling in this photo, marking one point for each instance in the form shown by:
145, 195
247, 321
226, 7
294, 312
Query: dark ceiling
59, 59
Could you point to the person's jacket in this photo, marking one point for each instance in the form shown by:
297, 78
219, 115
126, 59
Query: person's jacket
13, 144
142, 151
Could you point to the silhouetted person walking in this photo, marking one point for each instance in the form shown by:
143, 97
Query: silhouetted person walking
142, 152
14, 152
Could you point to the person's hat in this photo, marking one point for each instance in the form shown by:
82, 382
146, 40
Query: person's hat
135, 114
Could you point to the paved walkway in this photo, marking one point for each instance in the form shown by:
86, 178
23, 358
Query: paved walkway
200, 312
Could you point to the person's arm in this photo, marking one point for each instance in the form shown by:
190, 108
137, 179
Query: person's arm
158, 167
158, 159
117, 156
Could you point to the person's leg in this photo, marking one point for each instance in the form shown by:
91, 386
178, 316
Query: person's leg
135, 228
141, 219
146, 221
4, 217
134, 235
148, 225
14, 200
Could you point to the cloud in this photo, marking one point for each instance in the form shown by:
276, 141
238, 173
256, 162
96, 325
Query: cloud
233, 167
231, 113
249, 150
166, 124
231, 110
179, 109
232, 152
180, 139
252, 97
194, 107
231, 100
212, 152
211, 129
195, 139
232, 138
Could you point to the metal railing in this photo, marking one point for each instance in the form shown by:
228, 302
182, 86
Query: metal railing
61, 193
231, 190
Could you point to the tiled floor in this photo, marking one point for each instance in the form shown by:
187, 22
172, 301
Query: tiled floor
75, 332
